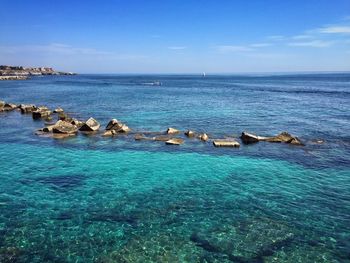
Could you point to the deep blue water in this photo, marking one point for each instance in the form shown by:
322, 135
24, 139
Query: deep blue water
96, 199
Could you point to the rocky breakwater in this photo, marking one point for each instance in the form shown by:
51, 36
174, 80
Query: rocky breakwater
21, 73
67, 126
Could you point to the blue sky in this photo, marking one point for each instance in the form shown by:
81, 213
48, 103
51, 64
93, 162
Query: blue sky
177, 36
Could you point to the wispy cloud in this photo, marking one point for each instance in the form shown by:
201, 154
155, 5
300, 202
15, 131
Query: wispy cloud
55, 48
335, 30
63, 50
261, 45
234, 48
315, 43
297, 37
276, 37
177, 47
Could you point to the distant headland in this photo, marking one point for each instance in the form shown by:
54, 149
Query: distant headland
21, 73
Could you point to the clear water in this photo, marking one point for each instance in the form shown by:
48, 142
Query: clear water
94, 199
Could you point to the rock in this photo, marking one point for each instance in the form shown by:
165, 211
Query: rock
58, 110
90, 125
64, 117
48, 128
124, 129
172, 131
64, 127
27, 108
117, 126
76, 122
248, 138
286, 138
41, 112
225, 143
190, 134
204, 137
113, 124
175, 141
9, 106
13, 77
109, 133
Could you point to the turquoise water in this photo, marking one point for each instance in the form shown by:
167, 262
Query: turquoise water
94, 199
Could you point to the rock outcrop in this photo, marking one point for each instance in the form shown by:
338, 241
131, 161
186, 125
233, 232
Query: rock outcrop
21, 73
13, 77
64, 127
90, 125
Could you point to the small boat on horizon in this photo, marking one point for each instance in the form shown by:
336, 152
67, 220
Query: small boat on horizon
203, 74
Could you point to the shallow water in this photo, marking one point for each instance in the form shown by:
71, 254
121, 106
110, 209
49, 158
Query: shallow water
93, 199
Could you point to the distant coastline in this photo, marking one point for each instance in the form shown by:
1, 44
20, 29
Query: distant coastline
22, 73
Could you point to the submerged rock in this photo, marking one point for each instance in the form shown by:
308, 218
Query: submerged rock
190, 134
90, 125
139, 137
162, 138
204, 137
175, 141
172, 131
64, 127
226, 143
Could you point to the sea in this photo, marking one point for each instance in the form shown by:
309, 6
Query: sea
90, 198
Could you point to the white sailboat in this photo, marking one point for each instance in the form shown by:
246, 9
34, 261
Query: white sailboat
203, 74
